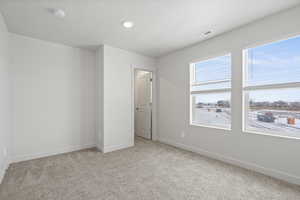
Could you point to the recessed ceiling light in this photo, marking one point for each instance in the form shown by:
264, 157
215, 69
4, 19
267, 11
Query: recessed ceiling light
58, 13
128, 24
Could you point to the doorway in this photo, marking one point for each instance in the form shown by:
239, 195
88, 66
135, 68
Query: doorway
143, 97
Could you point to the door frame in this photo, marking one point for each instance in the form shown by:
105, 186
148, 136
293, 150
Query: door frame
154, 113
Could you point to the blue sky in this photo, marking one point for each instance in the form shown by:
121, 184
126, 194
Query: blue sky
277, 62
214, 69
212, 97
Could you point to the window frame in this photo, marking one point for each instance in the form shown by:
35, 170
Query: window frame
192, 82
246, 88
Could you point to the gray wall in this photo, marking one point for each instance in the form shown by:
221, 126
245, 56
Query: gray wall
271, 155
5, 100
116, 81
54, 97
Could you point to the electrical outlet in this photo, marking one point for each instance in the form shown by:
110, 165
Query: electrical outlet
4, 152
182, 134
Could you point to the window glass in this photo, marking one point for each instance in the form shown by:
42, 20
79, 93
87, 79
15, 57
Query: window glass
274, 63
275, 111
210, 92
212, 109
213, 69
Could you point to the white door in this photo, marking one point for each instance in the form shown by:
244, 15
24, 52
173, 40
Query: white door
143, 103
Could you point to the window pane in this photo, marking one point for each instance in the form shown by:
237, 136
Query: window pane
212, 109
274, 63
212, 86
274, 111
214, 69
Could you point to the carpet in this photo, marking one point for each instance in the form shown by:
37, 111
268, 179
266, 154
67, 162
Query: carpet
149, 170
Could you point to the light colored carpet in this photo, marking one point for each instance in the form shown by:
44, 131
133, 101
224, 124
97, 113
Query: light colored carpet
147, 171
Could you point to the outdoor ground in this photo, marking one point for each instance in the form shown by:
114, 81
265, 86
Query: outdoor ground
222, 119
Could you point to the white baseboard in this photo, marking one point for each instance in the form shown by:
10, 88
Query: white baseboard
267, 171
68, 149
99, 147
3, 168
116, 147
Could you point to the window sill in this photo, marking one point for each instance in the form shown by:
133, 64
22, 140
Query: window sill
212, 127
271, 135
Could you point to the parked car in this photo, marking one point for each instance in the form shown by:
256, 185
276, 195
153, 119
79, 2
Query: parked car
266, 117
218, 110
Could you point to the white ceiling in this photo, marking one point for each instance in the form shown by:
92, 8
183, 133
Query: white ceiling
161, 26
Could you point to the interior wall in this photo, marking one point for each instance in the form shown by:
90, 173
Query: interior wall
5, 100
118, 99
275, 156
99, 104
54, 97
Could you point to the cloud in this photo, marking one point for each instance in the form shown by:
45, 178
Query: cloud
276, 61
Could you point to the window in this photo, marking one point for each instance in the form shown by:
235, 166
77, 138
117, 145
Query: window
272, 89
210, 91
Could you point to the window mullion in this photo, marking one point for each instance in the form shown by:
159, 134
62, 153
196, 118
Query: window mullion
210, 82
273, 86
211, 91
